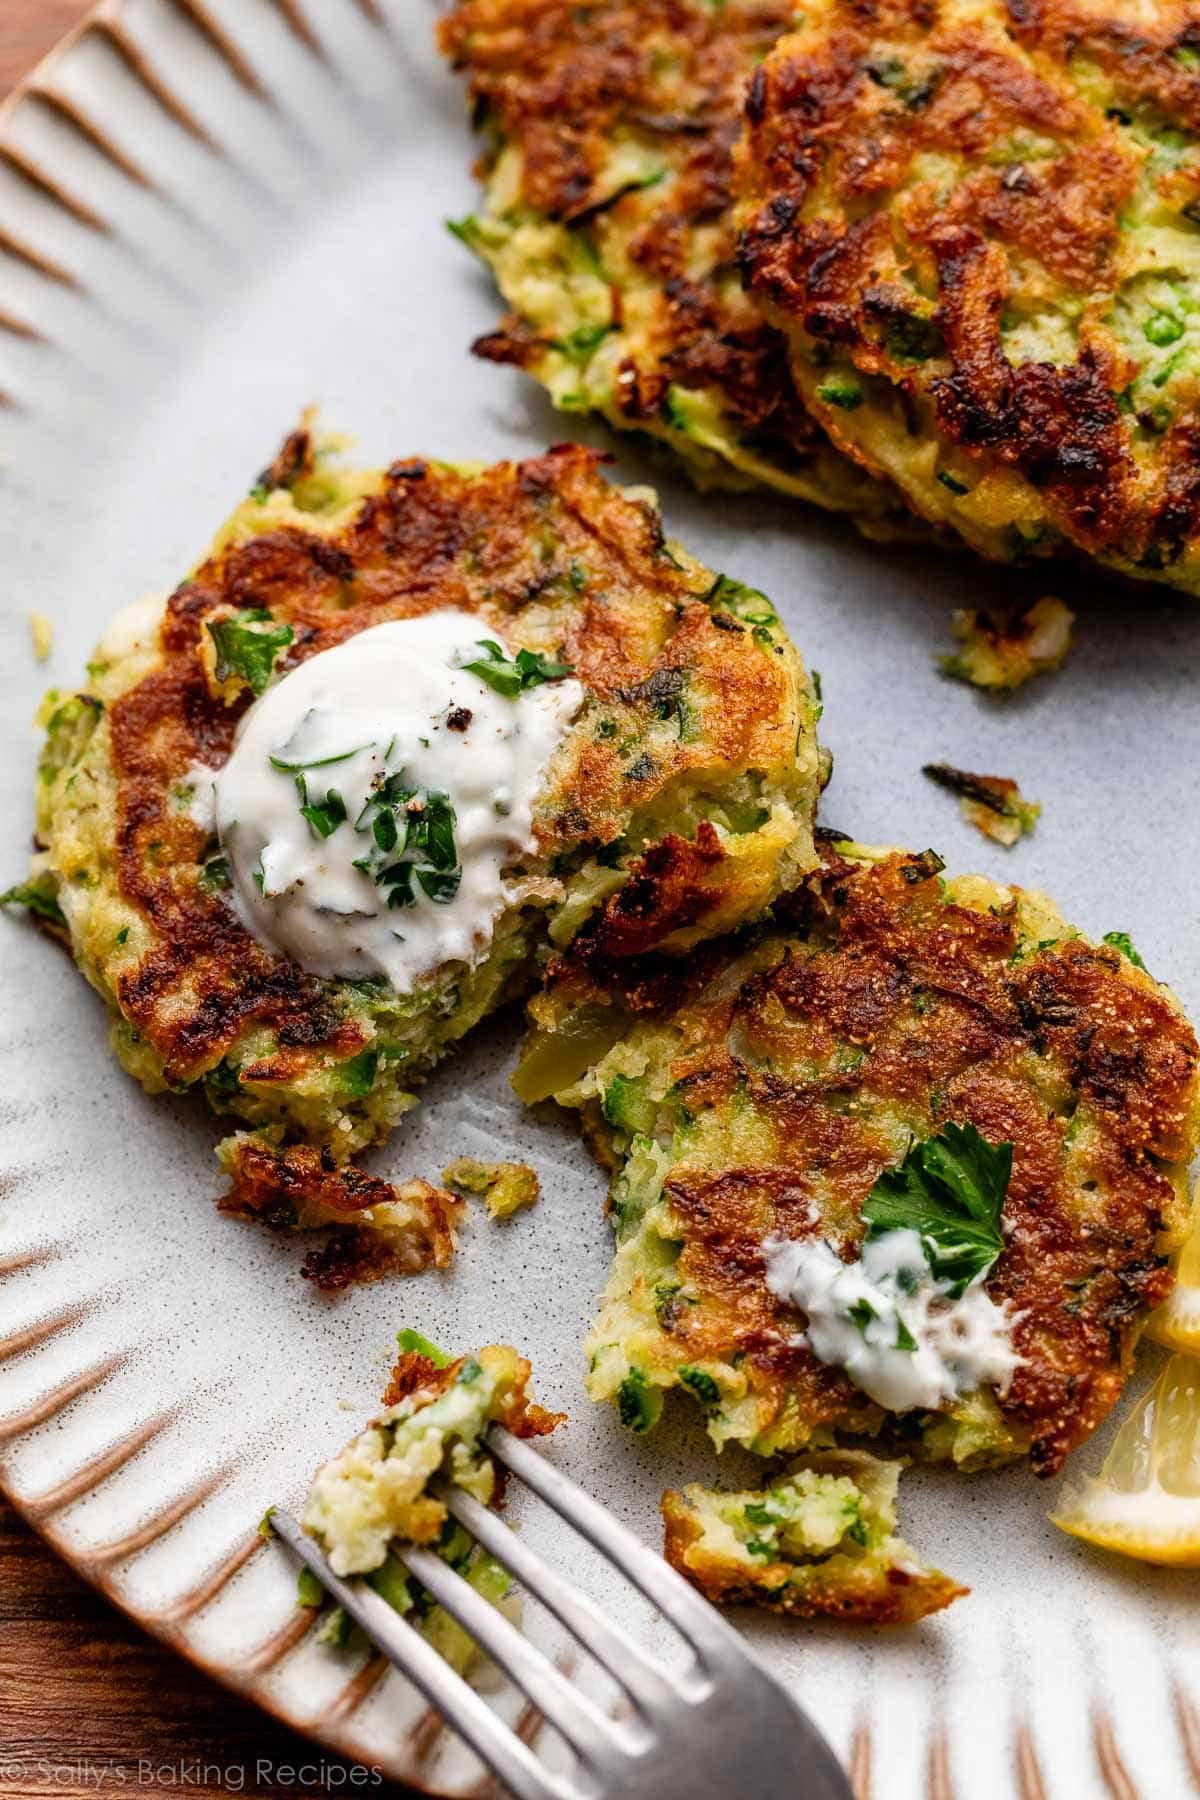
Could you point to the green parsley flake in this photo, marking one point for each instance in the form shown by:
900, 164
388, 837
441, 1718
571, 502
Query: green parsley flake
323, 816
245, 651
1120, 940
40, 903
412, 833
512, 676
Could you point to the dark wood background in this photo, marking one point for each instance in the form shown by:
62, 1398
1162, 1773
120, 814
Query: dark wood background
85, 1697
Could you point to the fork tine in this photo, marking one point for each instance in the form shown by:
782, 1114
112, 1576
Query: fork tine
614, 1649
487, 1734
707, 1633
590, 1734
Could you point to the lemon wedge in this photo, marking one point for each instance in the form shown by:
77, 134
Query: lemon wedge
1145, 1502
1176, 1323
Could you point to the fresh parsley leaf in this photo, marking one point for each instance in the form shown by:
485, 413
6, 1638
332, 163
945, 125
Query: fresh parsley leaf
247, 651
511, 676
757, 1547
1122, 942
41, 904
949, 1189
412, 836
413, 1344
904, 1337
323, 816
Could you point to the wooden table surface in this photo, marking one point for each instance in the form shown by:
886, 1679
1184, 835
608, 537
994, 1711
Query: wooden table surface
87, 1701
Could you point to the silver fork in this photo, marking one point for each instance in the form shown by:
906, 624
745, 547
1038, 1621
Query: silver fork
720, 1726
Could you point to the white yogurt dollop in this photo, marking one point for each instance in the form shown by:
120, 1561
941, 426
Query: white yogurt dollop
890, 1324
410, 765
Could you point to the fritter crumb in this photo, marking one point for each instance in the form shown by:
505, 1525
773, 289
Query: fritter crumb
504, 1186
993, 804
1005, 654
41, 629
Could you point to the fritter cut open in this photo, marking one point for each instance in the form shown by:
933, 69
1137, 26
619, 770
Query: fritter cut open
759, 1094
978, 224
679, 802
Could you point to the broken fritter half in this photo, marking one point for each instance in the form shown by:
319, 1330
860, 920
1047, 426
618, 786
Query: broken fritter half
912, 1156
818, 1543
978, 225
307, 823
375, 1491
607, 224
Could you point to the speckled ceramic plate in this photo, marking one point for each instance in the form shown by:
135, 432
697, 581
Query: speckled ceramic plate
213, 212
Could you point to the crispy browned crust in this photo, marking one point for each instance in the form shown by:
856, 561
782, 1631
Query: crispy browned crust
563, 81
298, 1185
522, 1416
433, 538
864, 1595
950, 1028
840, 232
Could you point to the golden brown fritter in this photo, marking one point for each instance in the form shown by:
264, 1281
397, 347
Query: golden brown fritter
764, 1093
697, 731
608, 226
978, 223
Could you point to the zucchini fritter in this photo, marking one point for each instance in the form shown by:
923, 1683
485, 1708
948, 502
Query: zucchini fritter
818, 1543
608, 226
761, 1093
979, 225
679, 802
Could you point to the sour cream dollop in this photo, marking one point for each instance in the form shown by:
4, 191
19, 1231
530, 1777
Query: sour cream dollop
890, 1324
391, 745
